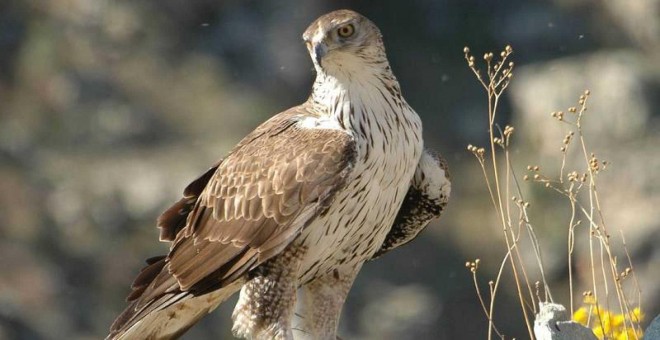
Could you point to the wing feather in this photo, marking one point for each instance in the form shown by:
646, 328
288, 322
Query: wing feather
243, 211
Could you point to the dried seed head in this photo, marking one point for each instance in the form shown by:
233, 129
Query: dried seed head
559, 115
593, 163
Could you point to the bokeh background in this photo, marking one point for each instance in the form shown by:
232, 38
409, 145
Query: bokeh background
109, 108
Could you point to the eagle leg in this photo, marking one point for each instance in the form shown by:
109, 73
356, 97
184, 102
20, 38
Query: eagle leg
266, 302
320, 303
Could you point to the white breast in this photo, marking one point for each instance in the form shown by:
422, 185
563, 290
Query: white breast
389, 145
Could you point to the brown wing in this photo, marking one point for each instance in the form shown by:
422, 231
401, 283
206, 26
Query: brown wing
172, 220
259, 199
253, 204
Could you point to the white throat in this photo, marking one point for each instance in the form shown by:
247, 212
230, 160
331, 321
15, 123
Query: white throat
368, 104
354, 95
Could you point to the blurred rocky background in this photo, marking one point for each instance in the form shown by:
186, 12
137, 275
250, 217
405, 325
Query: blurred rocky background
109, 108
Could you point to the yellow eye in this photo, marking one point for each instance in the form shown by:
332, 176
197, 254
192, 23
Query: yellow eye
346, 31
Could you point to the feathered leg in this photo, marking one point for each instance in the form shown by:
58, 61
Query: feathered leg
320, 303
266, 303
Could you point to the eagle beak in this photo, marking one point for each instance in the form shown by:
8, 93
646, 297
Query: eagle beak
320, 50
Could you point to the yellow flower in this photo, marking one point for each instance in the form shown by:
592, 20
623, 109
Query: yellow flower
581, 316
607, 324
630, 334
618, 320
604, 321
598, 331
638, 315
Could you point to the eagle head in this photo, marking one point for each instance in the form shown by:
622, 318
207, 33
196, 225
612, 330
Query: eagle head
344, 41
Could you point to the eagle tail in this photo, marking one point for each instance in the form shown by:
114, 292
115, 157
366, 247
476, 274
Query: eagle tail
158, 309
173, 320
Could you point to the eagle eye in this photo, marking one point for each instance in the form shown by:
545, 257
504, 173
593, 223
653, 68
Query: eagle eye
346, 31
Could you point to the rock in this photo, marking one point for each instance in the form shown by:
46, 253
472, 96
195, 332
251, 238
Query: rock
653, 331
553, 322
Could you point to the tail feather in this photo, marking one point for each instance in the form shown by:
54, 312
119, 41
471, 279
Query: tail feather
159, 309
173, 315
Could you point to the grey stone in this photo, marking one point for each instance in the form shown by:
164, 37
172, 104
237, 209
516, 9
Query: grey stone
553, 322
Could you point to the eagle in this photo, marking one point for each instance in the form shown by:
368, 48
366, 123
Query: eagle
289, 216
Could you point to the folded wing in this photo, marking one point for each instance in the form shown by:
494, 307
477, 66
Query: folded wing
243, 211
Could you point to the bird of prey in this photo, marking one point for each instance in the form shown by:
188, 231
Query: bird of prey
292, 213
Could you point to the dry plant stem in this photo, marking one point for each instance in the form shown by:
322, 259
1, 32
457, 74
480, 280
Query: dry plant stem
491, 325
636, 324
594, 204
493, 101
589, 215
516, 238
498, 80
597, 231
571, 245
483, 305
571, 227
531, 305
532, 236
